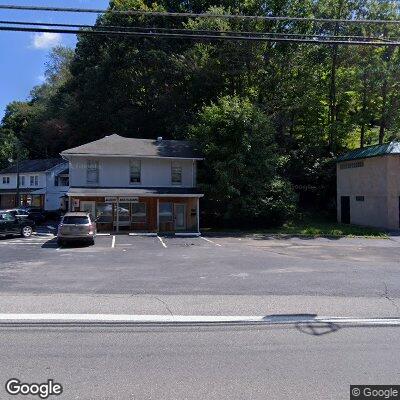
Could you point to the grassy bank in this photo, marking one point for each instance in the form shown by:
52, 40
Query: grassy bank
314, 226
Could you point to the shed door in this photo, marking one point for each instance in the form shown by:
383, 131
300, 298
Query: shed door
345, 209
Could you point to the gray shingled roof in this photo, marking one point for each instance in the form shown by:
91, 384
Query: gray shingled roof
371, 151
118, 145
33, 165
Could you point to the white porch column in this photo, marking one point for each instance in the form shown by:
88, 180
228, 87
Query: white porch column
158, 215
117, 214
198, 214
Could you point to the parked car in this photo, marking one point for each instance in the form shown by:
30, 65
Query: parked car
35, 214
76, 226
15, 225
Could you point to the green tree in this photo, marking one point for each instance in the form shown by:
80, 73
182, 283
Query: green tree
240, 176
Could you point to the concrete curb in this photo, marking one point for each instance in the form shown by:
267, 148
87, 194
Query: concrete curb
192, 319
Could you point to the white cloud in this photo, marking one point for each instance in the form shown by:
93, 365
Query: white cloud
46, 40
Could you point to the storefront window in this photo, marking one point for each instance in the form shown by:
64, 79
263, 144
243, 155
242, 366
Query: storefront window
166, 212
138, 212
104, 213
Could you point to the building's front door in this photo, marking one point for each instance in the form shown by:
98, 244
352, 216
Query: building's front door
345, 209
124, 216
180, 216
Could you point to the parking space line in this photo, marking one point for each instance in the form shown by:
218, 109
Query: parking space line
162, 241
208, 240
113, 242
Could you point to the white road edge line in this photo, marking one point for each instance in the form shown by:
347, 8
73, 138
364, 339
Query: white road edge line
113, 242
103, 234
208, 240
192, 319
162, 241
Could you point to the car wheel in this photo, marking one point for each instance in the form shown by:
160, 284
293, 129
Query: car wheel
26, 231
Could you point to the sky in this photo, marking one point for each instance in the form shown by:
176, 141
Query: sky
23, 54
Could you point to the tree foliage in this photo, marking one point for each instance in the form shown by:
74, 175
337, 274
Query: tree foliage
240, 176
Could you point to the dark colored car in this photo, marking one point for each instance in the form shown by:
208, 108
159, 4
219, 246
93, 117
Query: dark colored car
35, 214
15, 225
17, 212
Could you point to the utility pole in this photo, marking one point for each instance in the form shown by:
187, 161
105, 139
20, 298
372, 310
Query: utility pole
11, 160
18, 195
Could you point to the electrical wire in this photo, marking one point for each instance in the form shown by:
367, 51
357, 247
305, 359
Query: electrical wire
238, 37
199, 15
182, 30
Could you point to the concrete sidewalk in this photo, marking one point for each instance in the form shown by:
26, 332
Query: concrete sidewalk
358, 307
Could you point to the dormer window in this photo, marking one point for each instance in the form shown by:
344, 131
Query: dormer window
176, 173
92, 172
135, 170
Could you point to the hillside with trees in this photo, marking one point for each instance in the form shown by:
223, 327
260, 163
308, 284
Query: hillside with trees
271, 117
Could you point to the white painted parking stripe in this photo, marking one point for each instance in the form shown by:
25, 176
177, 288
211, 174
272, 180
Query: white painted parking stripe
208, 240
103, 234
127, 318
162, 241
143, 234
113, 242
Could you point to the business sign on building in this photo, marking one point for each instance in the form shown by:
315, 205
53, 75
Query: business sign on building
122, 199
129, 199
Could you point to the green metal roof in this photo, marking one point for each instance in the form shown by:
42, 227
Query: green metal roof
371, 151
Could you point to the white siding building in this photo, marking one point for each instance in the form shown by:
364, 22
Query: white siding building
42, 183
136, 184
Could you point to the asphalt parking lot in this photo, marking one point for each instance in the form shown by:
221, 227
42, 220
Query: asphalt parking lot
201, 265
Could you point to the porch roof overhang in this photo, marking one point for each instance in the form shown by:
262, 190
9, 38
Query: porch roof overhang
21, 191
137, 192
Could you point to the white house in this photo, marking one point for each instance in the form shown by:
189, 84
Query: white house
42, 183
136, 184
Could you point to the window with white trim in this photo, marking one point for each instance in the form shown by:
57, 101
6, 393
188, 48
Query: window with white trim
139, 213
135, 172
6, 180
176, 173
165, 212
92, 171
34, 180
22, 180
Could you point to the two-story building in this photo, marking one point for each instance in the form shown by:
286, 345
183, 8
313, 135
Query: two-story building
136, 185
42, 183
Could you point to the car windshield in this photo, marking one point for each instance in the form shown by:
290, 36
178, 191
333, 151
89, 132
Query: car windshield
75, 220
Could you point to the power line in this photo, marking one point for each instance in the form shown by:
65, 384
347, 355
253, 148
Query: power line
191, 31
239, 37
199, 15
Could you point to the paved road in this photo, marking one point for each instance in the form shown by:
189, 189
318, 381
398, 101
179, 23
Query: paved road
195, 266
201, 363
